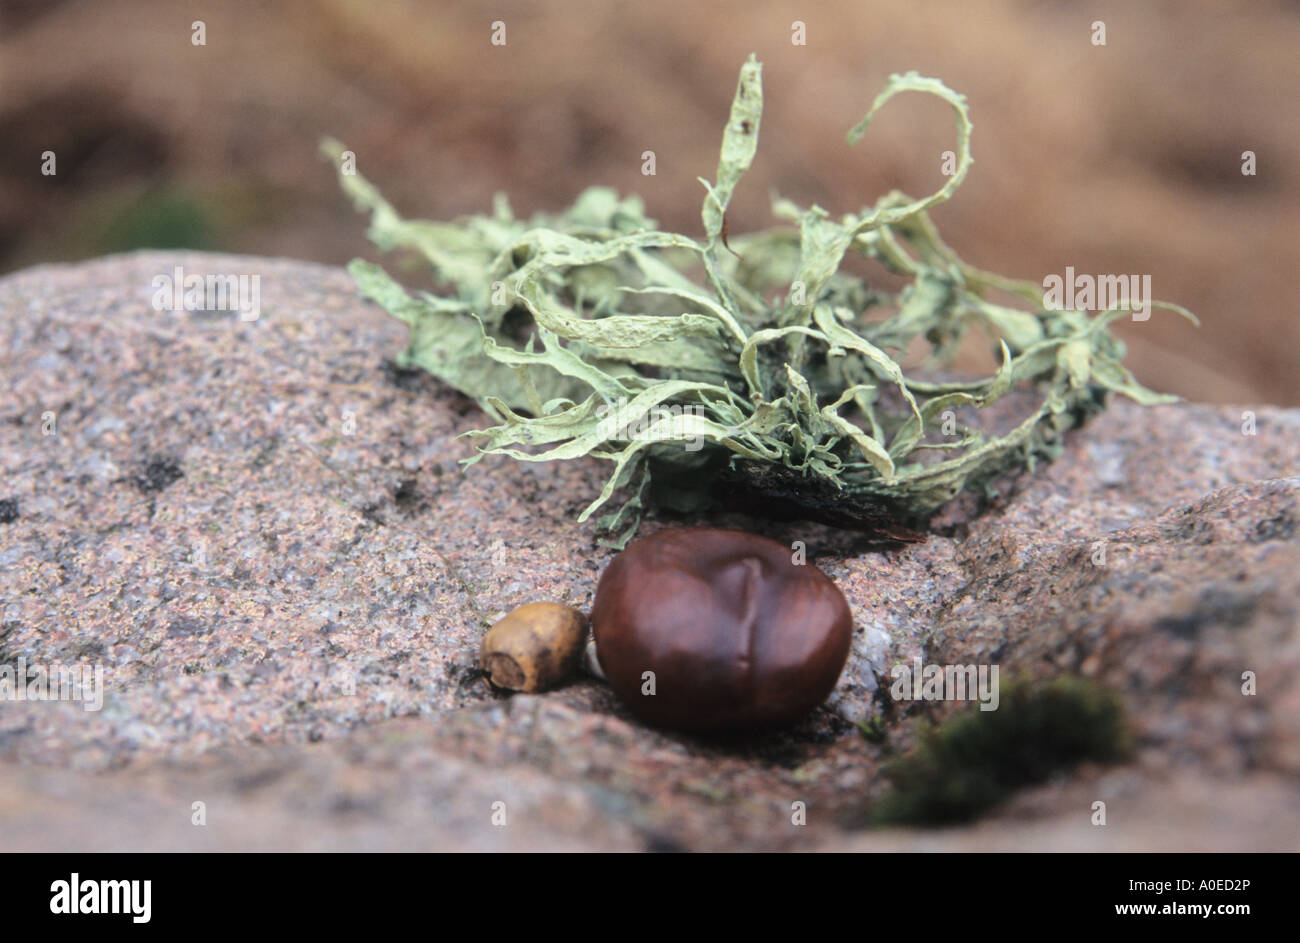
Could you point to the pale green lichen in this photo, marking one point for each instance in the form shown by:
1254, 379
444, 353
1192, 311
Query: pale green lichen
802, 380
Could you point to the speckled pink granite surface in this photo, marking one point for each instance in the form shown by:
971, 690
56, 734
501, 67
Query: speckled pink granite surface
261, 533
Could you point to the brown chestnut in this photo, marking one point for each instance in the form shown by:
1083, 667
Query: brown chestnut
719, 630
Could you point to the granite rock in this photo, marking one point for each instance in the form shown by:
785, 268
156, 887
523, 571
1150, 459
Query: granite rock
260, 531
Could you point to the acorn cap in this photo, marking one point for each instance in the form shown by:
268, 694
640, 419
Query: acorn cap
534, 647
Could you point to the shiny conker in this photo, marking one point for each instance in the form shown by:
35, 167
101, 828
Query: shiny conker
704, 629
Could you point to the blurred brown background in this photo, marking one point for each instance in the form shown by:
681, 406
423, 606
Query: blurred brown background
1124, 158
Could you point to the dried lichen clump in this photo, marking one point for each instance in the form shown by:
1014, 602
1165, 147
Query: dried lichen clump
584, 334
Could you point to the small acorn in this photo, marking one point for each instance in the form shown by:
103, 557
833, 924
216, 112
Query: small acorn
535, 647
718, 630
